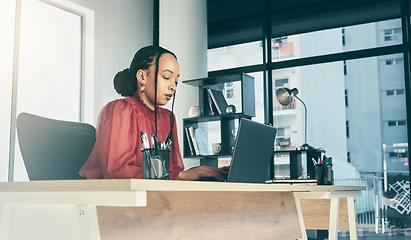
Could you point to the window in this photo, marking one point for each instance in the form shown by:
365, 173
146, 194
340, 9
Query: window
394, 61
348, 156
392, 123
395, 92
392, 34
400, 153
40, 79
396, 123
392, 154
345, 67
401, 123
347, 129
390, 92
234, 56
282, 48
346, 98
355, 37
230, 93
283, 82
343, 36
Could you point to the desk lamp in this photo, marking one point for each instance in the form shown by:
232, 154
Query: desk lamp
285, 97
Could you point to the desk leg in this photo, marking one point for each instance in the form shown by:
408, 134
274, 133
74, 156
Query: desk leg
6, 213
334, 214
351, 218
88, 222
301, 219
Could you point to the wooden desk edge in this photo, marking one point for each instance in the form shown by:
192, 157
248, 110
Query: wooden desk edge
162, 185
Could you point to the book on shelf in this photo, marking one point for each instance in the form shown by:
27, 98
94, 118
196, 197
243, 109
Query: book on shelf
194, 141
201, 141
218, 99
190, 142
211, 105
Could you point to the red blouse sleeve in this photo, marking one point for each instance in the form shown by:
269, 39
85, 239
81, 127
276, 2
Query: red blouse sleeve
116, 148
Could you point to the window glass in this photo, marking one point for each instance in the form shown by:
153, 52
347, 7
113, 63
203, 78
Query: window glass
235, 56
259, 96
370, 35
49, 66
364, 136
7, 19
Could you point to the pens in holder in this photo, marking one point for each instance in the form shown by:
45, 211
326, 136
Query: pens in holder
315, 162
144, 141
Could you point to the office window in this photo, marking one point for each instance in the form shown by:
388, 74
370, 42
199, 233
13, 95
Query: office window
348, 156
401, 122
7, 19
347, 129
235, 56
61, 77
392, 34
356, 37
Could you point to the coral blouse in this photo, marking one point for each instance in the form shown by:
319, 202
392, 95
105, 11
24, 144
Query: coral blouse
117, 151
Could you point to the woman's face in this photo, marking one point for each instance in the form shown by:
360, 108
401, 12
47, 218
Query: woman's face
168, 75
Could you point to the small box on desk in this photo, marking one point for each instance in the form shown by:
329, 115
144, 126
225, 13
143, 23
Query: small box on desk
295, 164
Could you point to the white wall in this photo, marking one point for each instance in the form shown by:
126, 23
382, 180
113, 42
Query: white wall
121, 28
183, 30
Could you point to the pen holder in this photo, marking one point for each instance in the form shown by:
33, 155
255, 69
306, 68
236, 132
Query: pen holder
324, 174
156, 163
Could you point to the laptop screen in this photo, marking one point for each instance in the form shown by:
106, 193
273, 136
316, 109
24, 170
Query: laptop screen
253, 150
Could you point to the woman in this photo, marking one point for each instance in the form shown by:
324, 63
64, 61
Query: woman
117, 151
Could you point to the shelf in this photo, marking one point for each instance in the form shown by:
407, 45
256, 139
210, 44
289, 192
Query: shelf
214, 80
217, 117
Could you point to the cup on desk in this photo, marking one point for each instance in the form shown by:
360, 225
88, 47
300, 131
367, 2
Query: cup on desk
216, 148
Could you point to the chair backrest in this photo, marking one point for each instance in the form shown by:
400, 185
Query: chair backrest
53, 149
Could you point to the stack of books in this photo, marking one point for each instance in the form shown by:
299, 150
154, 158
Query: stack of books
197, 141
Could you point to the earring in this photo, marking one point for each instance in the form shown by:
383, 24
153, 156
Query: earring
143, 88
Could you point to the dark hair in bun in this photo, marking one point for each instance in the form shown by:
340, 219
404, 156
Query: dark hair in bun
125, 82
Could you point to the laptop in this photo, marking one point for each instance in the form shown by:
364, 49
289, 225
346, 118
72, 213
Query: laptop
252, 154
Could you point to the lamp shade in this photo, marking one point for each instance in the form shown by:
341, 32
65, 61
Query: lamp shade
285, 95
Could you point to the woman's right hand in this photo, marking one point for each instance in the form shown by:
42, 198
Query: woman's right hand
204, 173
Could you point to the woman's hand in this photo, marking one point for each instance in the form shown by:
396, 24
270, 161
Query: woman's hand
204, 173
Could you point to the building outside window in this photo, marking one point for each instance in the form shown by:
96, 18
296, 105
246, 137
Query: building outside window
392, 34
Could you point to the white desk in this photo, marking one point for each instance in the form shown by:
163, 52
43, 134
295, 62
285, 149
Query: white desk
152, 209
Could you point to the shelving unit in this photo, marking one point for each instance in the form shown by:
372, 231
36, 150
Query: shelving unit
227, 122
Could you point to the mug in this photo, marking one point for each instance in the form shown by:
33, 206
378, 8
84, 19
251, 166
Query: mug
216, 148
194, 111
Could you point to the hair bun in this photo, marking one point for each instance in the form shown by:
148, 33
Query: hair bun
124, 84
